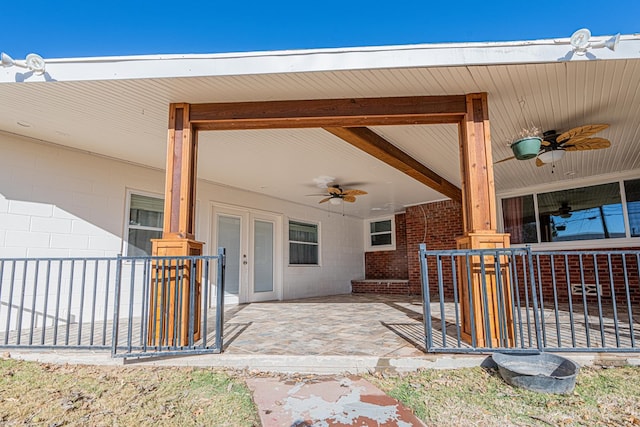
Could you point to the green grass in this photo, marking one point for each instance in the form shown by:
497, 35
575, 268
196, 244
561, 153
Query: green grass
479, 396
56, 395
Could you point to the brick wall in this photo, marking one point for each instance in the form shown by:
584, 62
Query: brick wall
389, 264
437, 224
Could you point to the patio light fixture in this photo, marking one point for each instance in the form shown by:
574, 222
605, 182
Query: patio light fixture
551, 156
33, 62
580, 41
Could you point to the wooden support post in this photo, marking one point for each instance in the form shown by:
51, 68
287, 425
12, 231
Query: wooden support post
170, 294
494, 322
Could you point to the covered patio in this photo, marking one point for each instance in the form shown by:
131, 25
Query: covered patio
250, 134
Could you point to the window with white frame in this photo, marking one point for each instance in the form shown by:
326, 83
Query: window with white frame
593, 212
304, 246
144, 222
380, 234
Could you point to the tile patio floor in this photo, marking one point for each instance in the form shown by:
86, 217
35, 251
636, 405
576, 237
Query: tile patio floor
356, 324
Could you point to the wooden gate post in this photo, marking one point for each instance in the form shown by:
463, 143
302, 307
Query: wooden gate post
480, 232
178, 239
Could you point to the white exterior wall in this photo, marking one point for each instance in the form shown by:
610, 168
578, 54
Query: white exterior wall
57, 202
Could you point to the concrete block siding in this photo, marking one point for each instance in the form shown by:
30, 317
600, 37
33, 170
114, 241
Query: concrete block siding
59, 202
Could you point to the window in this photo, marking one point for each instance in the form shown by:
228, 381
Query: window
380, 234
144, 223
585, 213
520, 219
632, 193
303, 243
580, 213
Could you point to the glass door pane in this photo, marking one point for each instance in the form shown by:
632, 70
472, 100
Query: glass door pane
263, 256
229, 238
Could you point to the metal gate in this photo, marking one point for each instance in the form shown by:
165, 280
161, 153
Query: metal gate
519, 300
132, 306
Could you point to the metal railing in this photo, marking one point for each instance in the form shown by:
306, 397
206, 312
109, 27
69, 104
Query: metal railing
133, 306
517, 299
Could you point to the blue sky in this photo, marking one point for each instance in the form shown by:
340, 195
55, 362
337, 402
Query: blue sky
61, 28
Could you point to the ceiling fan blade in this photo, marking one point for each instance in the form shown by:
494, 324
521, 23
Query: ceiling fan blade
545, 143
354, 192
334, 190
504, 160
349, 199
587, 144
325, 199
539, 162
581, 132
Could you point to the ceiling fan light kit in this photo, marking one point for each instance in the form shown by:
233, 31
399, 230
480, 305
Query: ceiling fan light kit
551, 156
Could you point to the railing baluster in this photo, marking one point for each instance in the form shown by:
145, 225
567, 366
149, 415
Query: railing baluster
204, 304
69, 302
144, 309
456, 301
485, 302
33, 301
584, 302
23, 290
426, 297
10, 302
570, 298
526, 280
45, 302
541, 299
613, 301
474, 335
599, 298
555, 298
220, 298
94, 299
116, 307
107, 281
83, 284
534, 299
516, 295
132, 281
443, 321
627, 291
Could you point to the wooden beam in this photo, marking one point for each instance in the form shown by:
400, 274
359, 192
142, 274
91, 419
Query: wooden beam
328, 113
180, 176
476, 164
372, 143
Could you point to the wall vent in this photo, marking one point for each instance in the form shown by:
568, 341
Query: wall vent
590, 289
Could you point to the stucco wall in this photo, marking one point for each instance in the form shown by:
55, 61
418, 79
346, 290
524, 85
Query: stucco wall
57, 202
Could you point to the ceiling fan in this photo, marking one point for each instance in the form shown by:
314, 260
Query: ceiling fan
335, 193
554, 144
564, 211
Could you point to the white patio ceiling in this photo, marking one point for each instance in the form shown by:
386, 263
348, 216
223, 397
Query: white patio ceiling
127, 119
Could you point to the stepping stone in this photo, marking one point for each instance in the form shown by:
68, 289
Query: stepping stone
324, 402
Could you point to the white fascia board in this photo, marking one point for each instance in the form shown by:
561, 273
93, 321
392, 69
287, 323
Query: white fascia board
302, 61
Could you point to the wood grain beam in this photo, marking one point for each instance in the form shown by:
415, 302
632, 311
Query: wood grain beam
476, 166
375, 145
328, 113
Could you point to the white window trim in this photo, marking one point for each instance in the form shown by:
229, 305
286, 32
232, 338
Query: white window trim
367, 234
620, 242
318, 227
127, 212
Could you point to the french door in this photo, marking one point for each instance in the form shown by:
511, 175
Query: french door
254, 253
